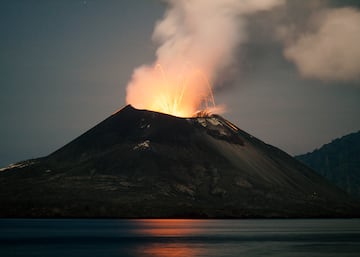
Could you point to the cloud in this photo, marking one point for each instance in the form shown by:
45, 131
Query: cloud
329, 48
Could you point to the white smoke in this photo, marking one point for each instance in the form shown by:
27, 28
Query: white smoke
195, 35
330, 47
203, 37
205, 33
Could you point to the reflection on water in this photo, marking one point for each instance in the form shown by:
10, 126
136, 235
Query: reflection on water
169, 250
168, 228
174, 238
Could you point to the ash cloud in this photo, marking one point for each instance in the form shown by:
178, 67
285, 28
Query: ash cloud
320, 37
326, 47
205, 33
194, 35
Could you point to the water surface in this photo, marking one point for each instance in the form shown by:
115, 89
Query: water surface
175, 238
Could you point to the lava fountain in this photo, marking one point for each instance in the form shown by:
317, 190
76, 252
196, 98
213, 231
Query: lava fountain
197, 43
173, 92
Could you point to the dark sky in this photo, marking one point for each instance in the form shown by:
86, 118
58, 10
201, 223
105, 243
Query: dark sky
65, 65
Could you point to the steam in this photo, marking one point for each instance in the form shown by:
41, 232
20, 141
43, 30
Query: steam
329, 49
197, 41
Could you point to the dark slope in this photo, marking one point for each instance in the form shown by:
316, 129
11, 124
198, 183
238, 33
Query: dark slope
339, 162
140, 163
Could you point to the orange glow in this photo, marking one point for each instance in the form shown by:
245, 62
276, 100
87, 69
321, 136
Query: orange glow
169, 228
181, 94
169, 250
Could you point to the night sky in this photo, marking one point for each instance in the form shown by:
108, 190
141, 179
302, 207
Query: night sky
65, 66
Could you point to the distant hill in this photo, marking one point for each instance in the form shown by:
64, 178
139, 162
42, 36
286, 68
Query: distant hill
338, 161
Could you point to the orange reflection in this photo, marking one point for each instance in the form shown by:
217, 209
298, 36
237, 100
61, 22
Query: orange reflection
169, 230
170, 250
168, 227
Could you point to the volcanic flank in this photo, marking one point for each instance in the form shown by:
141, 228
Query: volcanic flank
140, 163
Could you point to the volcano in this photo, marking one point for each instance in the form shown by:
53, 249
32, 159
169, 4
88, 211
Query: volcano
139, 163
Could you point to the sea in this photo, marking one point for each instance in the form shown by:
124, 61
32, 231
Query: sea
180, 237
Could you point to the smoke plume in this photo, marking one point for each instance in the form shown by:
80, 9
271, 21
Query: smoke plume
197, 41
329, 48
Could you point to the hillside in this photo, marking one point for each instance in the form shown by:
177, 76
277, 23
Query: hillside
339, 162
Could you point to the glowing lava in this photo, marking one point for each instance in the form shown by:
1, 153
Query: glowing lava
183, 94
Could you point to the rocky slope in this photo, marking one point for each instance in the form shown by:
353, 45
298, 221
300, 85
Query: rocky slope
139, 163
